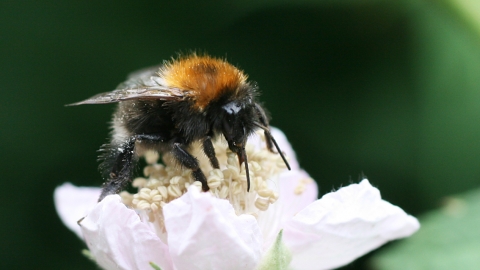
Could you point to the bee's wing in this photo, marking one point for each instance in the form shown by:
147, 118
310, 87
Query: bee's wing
143, 84
160, 93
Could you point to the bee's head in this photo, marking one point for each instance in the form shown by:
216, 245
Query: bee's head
237, 123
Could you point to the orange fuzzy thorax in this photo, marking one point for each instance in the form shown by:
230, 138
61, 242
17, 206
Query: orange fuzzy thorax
207, 77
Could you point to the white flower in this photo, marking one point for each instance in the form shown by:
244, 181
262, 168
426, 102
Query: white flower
201, 230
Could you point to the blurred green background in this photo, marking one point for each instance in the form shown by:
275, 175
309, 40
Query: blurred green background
389, 89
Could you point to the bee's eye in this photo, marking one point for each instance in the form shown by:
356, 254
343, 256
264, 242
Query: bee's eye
227, 129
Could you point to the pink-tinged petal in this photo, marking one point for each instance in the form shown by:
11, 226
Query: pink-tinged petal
73, 203
205, 233
343, 226
296, 191
119, 240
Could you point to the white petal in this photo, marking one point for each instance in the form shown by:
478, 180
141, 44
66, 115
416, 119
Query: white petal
73, 203
205, 233
296, 191
343, 226
119, 240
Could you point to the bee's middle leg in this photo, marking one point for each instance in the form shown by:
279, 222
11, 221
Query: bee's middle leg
190, 162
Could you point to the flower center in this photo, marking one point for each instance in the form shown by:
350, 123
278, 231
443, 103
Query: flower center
166, 182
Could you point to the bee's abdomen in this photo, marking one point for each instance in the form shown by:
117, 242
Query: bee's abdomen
145, 117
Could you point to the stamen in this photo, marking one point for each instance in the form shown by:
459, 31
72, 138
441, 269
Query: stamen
262, 203
151, 157
302, 185
166, 182
163, 191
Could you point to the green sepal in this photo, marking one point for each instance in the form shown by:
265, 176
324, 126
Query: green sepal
154, 266
278, 257
88, 255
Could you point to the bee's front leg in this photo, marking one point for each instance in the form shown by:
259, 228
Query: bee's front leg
263, 119
209, 150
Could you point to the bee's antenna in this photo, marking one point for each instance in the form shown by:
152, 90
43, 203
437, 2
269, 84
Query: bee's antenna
270, 137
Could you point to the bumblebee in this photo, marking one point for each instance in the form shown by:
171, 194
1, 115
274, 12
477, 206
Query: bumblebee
168, 107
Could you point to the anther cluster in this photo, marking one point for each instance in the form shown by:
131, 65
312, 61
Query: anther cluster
167, 181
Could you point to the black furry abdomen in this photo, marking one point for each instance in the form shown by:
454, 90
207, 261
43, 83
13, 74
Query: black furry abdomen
146, 117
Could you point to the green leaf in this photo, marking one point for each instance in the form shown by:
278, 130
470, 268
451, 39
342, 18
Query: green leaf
468, 10
448, 239
278, 256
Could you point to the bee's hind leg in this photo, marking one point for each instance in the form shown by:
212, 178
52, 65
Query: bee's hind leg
190, 162
119, 163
